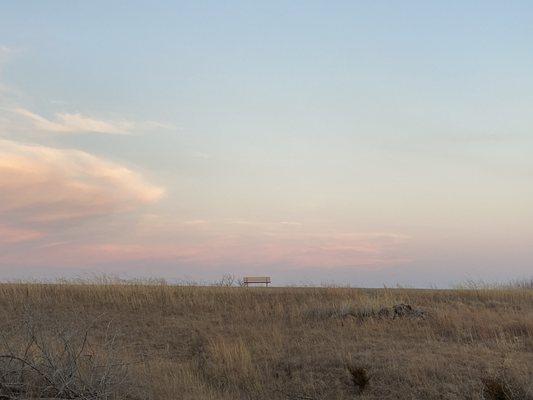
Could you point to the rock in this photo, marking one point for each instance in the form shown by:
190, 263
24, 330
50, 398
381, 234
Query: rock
405, 310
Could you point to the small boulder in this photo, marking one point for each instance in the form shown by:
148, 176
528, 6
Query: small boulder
405, 310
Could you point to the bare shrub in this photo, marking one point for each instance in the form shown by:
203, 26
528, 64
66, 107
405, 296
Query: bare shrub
227, 280
41, 359
522, 284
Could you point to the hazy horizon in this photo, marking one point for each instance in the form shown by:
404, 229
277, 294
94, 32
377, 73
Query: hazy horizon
361, 143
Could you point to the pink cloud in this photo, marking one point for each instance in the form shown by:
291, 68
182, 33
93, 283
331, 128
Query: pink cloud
47, 195
44, 190
300, 249
241, 251
9, 235
42, 184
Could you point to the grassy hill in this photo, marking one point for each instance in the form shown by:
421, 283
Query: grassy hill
138, 341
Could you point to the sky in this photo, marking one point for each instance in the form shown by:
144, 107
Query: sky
361, 143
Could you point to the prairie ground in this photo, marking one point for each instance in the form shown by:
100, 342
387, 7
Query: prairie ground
138, 341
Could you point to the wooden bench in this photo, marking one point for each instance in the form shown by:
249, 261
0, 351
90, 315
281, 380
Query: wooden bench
256, 279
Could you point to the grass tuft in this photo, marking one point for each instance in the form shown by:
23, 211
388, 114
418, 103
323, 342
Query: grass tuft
359, 377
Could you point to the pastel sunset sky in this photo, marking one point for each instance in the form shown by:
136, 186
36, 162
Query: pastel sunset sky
348, 142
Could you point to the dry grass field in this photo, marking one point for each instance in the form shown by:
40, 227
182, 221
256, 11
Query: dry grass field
140, 341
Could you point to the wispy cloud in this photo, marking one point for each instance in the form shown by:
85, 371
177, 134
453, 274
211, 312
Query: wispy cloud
11, 235
75, 123
72, 123
15, 117
5, 52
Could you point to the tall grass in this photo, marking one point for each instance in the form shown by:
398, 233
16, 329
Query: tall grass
227, 342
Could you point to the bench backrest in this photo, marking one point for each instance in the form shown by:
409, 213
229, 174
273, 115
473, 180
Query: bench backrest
257, 279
